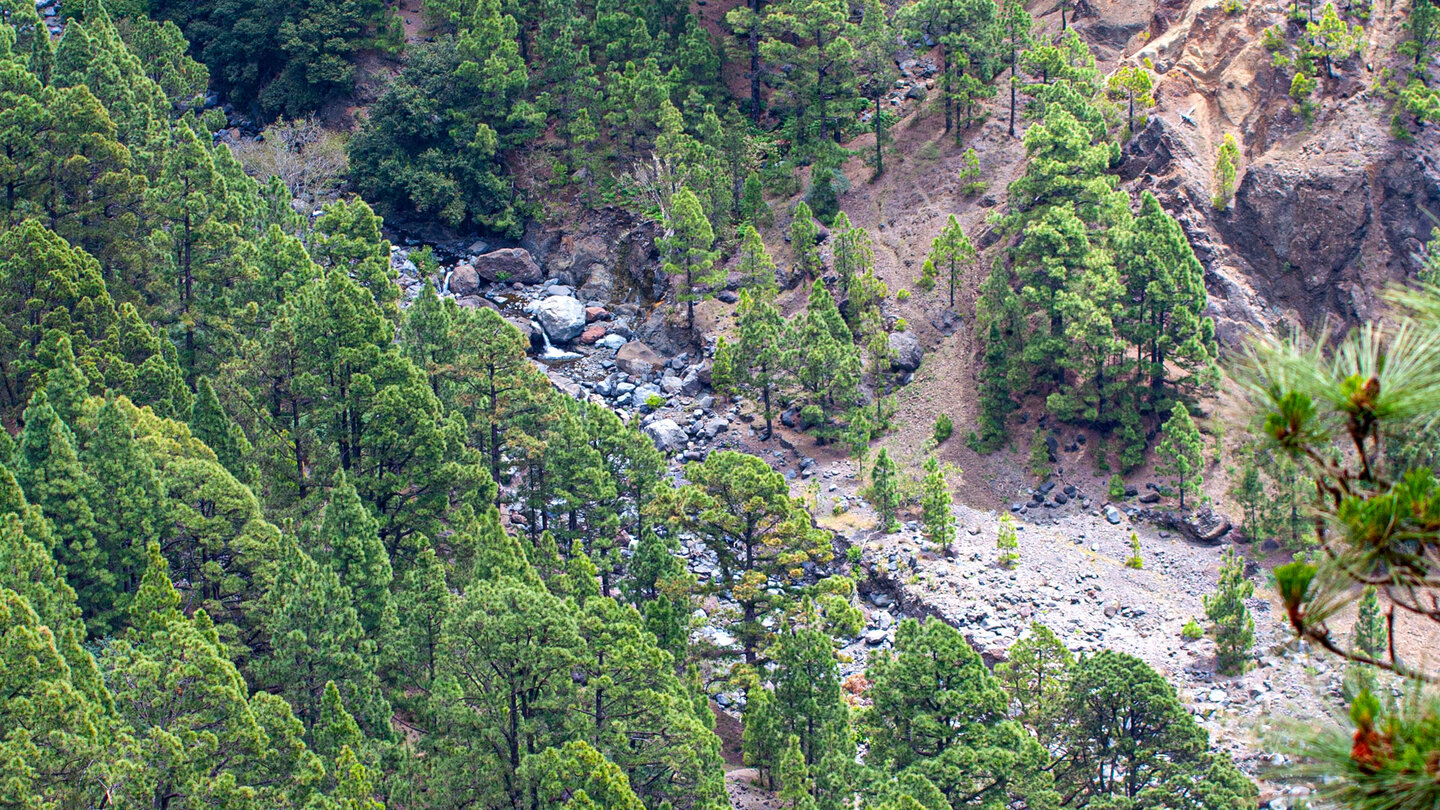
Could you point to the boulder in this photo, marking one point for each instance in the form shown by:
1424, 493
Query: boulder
667, 435
905, 351
1112, 514
592, 334
593, 314
507, 265
612, 341
637, 359
562, 318
464, 280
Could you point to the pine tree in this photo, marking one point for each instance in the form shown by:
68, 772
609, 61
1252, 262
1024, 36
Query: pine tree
55, 733
875, 47
760, 352
761, 740
505, 689
1036, 674
127, 503
937, 705
1226, 159
808, 701
194, 729
1181, 452
853, 255
422, 604
315, 636
632, 708
812, 39
1016, 26
352, 549
884, 491
212, 425
1372, 633
937, 503
742, 511
1007, 541
1234, 629
688, 257
1135, 84
952, 253
795, 782
754, 211
1134, 560
198, 235
1132, 737
1165, 285
804, 239
48, 469
756, 268
824, 360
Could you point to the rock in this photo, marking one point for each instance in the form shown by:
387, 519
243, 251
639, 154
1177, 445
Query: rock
640, 398
464, 280
562, 318
592, 334
667, 435
715, 427
875, 638
727, 296
671, 384
1111, 610
1150, 497
881, 599
1112, 514
559, 289
599, 286
593, 314
906, 352
612, 341
637, 359
509, 265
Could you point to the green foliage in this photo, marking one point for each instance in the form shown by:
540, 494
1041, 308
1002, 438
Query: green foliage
1192, 630
1039, 455
1134, 560
1036, 675
1123, 718
885, 491
936, 505
688, 257
1007, 542
742, 510
1226, 159
940, 713
1182, 453
1116, 490
803, 241
1233, 627
944, 427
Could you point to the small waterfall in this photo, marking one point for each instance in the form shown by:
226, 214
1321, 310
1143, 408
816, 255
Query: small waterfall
445, 285
551, 353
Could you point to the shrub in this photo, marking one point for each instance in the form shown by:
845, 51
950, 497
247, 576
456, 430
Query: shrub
1134, 560
853, 554
1039, 456
902, 295
1234, 628
944, 426
1192, 630
1007, 541
1117, 488
655, 402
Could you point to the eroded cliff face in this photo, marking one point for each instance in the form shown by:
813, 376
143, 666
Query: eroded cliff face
1325, 213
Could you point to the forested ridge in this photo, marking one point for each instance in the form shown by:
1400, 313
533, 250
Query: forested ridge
281, 532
